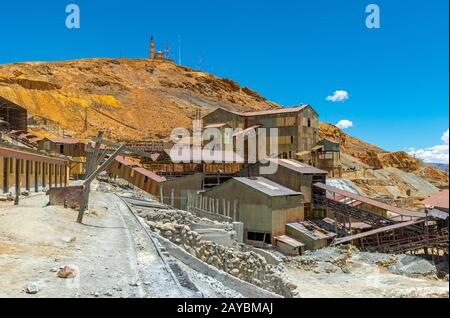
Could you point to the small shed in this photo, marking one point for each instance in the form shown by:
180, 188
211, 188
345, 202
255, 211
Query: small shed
310, 234
289, 245
329, 145
66, 146
264, 207
296, 176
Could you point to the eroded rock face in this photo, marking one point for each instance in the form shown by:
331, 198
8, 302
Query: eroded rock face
248, 266
131, 90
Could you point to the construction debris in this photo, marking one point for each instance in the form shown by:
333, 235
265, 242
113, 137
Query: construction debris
67, 272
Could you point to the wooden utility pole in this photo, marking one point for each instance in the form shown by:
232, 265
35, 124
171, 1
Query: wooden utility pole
91, 177
17, 188
90, 167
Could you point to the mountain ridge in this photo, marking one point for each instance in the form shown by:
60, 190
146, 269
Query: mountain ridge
140, 99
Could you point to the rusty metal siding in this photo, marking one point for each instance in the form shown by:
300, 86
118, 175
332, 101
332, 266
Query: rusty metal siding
259, 212
180, 186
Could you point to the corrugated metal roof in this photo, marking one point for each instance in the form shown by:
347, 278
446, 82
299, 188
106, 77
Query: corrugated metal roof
67, 141
370, 201
439, 200
27, 154
266, 186
267, 112
298, 166
150, 174
274, 111
188, 156
125, 162
289, 241
379, 230
439, 214
311, 230
216, 125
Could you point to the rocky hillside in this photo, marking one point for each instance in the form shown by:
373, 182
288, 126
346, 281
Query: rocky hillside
135, 99
131, 98
365, 157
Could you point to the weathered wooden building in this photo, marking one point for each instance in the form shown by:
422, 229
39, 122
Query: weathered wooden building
289, 245
173, 190
146, 180
31, 170
296, 176
122, 168
68, 147
297, 126
65, 146
310, 234
12, 116
264, 207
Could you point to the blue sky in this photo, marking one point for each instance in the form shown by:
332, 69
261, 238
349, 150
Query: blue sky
290, 51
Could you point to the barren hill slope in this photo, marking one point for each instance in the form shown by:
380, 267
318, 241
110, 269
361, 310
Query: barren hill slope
364, 156
135, 99
151, 96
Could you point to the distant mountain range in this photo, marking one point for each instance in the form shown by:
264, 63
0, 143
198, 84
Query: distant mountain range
441, 166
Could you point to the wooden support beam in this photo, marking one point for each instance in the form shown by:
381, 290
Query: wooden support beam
105, 165
127, 150
90, 178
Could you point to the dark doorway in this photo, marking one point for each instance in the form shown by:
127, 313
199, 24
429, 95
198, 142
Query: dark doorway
5, 175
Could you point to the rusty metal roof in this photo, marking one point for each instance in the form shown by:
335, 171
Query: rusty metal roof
266, 186
218, 125
439, 200
298, 166
150, 174
125, 162
311, 230
289, 241
376, 231
66, 141
274, 111
267, 112
5, 151
369, 201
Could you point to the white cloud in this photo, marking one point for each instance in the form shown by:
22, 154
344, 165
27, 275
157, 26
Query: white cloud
435, 154
344, 124
445, 137
338, 96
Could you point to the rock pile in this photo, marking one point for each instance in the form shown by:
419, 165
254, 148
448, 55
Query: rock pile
169, 216
326, 260
247, 266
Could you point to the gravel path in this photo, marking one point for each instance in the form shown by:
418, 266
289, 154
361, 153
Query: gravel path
111, 255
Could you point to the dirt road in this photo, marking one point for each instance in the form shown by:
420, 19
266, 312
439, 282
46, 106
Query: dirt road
111, 254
